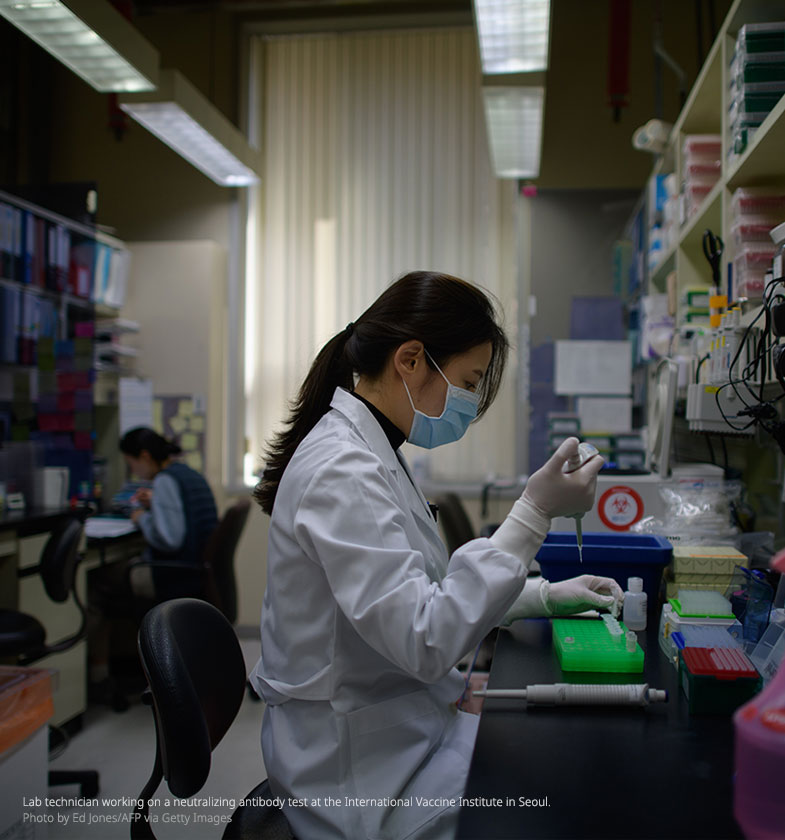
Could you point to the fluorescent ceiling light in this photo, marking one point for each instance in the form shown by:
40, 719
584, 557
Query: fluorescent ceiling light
513, 35
91, 38
189, 123
513, 116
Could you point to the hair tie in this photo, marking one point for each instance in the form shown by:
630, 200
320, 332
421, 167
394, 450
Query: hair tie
349, 328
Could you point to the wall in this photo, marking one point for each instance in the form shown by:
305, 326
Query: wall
177, 293
572, 234
583, 148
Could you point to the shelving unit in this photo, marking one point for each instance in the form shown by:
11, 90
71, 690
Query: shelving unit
762, 163
54, 273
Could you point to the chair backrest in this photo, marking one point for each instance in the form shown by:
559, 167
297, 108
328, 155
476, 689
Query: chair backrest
196, 673
60, 558
454, 521
219, 558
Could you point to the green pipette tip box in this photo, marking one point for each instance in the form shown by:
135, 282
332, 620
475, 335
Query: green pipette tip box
584, 644
680, 611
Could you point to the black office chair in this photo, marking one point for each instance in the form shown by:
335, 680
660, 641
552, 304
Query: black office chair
454, 521
196, 675
221, 584
212, 579
23, 637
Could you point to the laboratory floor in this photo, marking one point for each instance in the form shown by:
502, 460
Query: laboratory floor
121, 747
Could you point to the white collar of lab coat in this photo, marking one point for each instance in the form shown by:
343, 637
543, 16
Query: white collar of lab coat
367, 425
373, 434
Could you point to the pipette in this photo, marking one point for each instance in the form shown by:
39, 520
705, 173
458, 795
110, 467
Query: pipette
585, 451
565, 694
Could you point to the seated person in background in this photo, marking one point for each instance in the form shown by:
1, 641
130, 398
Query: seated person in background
176, 517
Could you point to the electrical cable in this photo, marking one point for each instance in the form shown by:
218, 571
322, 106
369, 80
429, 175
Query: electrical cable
711, 448
698, 368
756, 364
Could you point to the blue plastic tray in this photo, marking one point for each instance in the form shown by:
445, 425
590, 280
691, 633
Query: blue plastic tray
618, 556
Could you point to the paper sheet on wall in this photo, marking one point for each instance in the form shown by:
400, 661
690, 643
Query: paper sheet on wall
605, 414
136, 403
182, 423
593, 367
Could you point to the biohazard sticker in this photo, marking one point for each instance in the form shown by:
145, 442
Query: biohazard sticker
620, 507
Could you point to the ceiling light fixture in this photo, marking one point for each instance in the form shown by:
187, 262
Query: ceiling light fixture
513, 35
91, 38
513, 116
183, 118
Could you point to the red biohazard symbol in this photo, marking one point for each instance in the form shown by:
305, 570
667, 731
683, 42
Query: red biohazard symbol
620, 504
620, 507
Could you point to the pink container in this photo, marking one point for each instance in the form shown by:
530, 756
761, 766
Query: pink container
758, 802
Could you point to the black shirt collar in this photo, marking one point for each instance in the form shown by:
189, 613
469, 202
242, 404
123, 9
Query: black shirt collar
393, 433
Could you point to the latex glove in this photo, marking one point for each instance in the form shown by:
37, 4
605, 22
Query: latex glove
549, 492
587, 592
531, 603
557, 493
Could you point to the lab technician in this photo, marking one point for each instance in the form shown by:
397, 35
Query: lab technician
365, 615
176, 517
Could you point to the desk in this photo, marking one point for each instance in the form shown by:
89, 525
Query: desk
22, 539
125, 542
613, 772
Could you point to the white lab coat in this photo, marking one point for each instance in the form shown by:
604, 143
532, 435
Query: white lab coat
364, 617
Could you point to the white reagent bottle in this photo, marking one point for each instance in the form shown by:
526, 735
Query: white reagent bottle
635, 603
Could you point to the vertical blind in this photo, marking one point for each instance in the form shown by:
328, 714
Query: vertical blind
375, 163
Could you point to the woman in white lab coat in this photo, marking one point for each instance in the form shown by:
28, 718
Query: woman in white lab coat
365, 615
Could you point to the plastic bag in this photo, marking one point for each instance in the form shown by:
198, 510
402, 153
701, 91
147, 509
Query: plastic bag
697, 512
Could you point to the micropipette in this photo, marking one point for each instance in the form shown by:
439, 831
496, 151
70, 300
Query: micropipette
585, 451
565, 694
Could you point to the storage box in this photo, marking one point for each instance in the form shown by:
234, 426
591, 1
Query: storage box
717, 681
761, 37
618, 556
745, 232
707, 560
671, 622
760, 202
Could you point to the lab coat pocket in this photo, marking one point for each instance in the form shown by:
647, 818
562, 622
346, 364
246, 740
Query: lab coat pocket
399, 757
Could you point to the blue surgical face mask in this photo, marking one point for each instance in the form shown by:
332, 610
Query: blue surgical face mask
460, 408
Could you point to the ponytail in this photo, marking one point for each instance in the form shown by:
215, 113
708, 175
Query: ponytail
329, 371
141, 439
449, 316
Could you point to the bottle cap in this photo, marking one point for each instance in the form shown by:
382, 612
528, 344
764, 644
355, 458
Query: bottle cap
635, 584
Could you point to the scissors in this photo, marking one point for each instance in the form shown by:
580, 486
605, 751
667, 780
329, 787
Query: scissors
713, 247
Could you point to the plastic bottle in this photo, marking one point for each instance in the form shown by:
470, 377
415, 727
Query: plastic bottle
758, 804
635, 603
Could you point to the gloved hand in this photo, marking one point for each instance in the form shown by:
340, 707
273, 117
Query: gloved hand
557, 493
549, 492
587, 592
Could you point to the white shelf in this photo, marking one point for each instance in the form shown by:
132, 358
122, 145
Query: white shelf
762, 163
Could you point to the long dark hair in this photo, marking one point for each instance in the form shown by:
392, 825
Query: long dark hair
137, 440
449, 316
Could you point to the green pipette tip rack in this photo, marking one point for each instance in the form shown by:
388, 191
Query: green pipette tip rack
584, 644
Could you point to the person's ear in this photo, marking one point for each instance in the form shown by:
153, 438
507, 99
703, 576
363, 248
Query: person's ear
409, 360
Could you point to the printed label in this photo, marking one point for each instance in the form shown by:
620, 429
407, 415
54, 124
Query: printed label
620, 507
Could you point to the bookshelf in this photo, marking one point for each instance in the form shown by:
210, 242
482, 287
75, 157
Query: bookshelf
56, 276
706, 112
